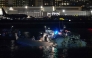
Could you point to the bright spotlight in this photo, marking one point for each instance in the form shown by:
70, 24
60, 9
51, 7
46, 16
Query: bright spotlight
63, 10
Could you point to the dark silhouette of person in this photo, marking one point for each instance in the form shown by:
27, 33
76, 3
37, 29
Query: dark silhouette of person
46, 38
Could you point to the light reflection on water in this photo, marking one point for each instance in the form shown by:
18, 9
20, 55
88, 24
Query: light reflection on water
13, 50
50, 52
34, 52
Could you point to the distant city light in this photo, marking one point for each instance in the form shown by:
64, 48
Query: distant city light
41, 6
11, 8
53, 8
26, 7
63, 10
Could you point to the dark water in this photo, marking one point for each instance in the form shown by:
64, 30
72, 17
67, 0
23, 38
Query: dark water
12, 50
9, 49
76, 53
